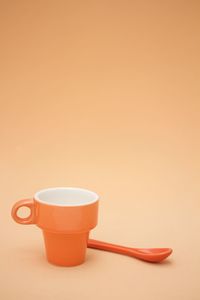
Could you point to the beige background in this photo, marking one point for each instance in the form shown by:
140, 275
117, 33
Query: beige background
102, 95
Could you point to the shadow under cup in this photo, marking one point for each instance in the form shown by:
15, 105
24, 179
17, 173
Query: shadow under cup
66, 216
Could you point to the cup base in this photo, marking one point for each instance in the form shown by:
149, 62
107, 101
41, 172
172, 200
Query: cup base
65, 249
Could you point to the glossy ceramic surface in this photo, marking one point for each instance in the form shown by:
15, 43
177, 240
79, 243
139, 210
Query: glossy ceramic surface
65, 224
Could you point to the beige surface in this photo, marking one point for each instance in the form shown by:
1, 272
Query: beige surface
102, 95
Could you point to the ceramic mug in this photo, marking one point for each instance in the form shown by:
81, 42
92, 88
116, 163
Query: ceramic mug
66, 215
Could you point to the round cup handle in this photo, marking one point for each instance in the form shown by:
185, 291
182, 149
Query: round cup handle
27, 203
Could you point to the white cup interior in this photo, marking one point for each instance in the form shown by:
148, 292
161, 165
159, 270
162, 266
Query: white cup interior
66, 196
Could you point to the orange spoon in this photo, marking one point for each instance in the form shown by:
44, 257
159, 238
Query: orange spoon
146, 254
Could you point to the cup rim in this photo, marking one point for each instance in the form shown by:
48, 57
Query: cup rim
37, 196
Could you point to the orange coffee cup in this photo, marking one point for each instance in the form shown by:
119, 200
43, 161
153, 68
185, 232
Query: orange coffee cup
66, 215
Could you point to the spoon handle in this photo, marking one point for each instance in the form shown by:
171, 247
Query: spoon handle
148, 254
110, 247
